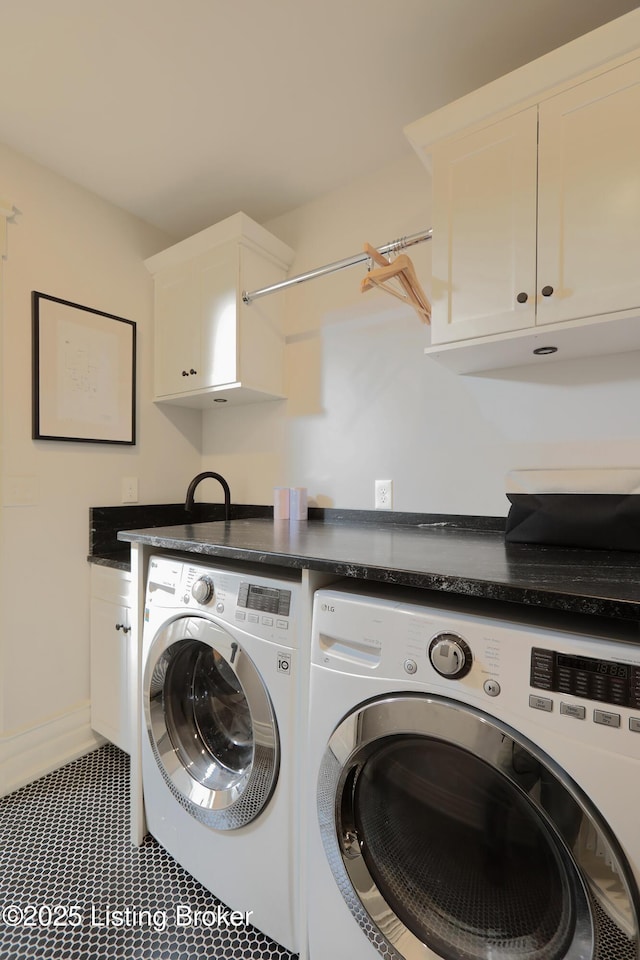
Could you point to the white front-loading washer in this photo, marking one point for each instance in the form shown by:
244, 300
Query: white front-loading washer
474, 782
219, 701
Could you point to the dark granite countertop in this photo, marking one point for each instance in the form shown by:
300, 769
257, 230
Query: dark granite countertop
117, 559
434, 555
104, 523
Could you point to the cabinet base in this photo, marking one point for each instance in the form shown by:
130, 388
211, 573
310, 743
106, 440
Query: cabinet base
234, 393
592, 337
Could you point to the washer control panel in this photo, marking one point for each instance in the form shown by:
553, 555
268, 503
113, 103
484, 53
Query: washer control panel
259, 605
274, 600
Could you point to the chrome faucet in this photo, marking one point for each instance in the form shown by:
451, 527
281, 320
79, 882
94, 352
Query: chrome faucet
188, 504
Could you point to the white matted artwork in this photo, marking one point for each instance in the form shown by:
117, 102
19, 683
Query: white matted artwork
84, 373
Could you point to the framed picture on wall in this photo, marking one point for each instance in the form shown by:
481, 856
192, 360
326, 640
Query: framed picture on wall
84, 373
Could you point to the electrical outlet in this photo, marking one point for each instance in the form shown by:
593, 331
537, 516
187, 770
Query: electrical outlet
129, 490
384, 495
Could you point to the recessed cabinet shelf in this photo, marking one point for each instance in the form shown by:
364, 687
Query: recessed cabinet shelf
210, 346
536, 209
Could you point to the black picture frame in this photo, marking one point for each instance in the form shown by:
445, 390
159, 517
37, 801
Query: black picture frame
84, 373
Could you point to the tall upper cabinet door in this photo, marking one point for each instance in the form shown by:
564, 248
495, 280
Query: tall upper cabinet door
589, 198
177, 329
484, 230
217, 273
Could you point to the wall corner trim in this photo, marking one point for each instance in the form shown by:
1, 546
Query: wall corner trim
27, 755
7, 211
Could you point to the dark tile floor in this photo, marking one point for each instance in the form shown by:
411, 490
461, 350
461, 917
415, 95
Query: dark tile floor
73, 887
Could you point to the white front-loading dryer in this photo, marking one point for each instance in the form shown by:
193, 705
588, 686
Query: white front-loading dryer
220, 701
474, 785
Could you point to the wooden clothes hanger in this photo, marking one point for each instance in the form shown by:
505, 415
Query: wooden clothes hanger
402, 270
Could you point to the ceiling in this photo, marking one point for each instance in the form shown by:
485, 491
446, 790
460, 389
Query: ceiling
186, 111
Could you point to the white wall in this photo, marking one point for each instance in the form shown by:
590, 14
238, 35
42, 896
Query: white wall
365, 403
68, 243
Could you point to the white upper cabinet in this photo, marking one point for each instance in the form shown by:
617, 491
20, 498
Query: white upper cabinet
176, 328
484, 231
589, 198
209, 345
536, 210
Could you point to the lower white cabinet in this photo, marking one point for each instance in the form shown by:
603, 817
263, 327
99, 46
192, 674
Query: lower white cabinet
110, 639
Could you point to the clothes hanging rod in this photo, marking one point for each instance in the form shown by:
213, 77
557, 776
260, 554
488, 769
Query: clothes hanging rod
394, 247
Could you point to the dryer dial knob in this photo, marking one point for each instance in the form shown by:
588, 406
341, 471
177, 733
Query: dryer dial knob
450, 655
202, 590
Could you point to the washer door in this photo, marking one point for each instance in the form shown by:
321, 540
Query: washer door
210, 723
451, 836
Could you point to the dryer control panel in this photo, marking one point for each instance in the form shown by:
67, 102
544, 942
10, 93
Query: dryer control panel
589, 678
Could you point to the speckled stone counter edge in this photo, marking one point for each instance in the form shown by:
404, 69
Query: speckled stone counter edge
450, 559
106, 522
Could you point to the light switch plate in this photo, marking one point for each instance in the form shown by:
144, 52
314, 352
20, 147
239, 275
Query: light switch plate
129, 490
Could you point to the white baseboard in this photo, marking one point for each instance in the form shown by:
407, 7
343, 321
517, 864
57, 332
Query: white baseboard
27, 755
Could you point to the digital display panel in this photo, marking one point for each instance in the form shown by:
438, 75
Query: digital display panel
255, 591
253, 596
604, 667
590, 678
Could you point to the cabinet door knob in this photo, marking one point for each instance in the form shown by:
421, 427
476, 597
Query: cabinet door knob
547, 291
121, 626
522, 297
192, 371
185, 373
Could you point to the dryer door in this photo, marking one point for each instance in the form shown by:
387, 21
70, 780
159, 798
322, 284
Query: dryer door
210, 723
450, 836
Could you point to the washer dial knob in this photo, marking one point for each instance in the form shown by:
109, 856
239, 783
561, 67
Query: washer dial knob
202, 590
450, 655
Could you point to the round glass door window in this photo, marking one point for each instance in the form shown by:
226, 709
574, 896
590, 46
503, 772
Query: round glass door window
451, 838
210, 723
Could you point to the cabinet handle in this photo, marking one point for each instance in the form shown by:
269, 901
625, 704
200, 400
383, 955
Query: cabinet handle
121, 626
185, 373
547, 291
192, 371
522, 297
